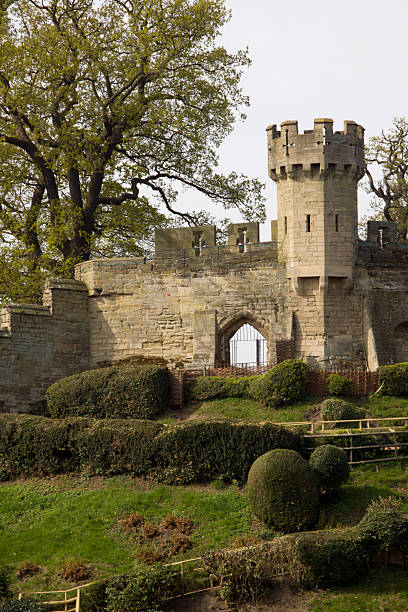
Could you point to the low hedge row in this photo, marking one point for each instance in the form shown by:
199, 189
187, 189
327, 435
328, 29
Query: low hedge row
312, 559
283, 384
127, 391
394, 379
197, 451
206, 388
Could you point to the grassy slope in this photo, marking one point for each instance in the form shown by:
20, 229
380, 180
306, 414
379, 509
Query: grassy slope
45, 521
242, 408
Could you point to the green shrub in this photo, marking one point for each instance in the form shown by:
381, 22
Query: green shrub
394, 379
5, 581
141, 591
21, 605
336, 409
363, 442
331, 465
321, 558
203, 450
338, 385
310, 559
283, 384
385, 524
119, 392
284, 491
33, 445
206, 388
242, 573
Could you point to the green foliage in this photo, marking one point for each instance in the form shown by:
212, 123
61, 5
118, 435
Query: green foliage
99, 102
310, 559
127, 391
338, 385
394, 379
41, 446
34, 445
5, 581
322, 558
336, 409
199, 451
385, 524
331, 465
242, 575
283, 384
212, 387
22, 605
141, 591
284, 491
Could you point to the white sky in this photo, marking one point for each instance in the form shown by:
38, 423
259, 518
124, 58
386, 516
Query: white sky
345, 60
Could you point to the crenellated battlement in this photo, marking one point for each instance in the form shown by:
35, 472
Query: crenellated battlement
318, 153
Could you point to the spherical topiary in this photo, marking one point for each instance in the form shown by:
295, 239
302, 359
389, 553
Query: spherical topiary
283, 384
331, 465
284, 490
336, 409
338, 385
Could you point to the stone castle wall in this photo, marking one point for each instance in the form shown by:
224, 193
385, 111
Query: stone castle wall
316, 290
40, 344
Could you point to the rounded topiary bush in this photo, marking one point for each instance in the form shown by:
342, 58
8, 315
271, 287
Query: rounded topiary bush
283, 384
129, 391
336, 409
284, 491
331, 466
338, 385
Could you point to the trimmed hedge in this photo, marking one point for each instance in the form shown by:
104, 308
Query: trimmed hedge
338, 385
394, 379
206, 388
283, 384
188, 452
284, 491
202, 450
331, 465
385, 524
129, 391
310, 559
34, 445
5, 581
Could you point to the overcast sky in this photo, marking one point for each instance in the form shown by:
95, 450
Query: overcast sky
345, 60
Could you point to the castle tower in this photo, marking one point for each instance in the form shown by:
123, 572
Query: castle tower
316, 175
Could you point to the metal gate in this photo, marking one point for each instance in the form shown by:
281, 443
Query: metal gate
247, 346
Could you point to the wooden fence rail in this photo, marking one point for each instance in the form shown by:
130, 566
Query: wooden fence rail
367, 423
63, 603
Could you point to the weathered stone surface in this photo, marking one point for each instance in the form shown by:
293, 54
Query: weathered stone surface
318, 293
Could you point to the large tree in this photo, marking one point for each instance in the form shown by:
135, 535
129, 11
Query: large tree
389, 152
102, 106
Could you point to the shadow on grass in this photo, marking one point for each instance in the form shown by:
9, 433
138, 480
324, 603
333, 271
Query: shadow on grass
380, 589
349, 505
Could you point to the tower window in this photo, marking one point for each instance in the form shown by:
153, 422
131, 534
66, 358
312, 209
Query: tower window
336, 221
308, 223
286, 225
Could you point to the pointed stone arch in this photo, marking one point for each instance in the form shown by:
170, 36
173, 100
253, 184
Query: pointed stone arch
229, 325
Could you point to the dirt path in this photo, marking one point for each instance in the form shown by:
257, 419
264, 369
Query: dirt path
283, 598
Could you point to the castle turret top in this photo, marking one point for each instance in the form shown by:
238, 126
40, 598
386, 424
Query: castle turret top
319, 151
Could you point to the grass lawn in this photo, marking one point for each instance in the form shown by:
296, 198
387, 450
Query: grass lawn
242, 408
46, 521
